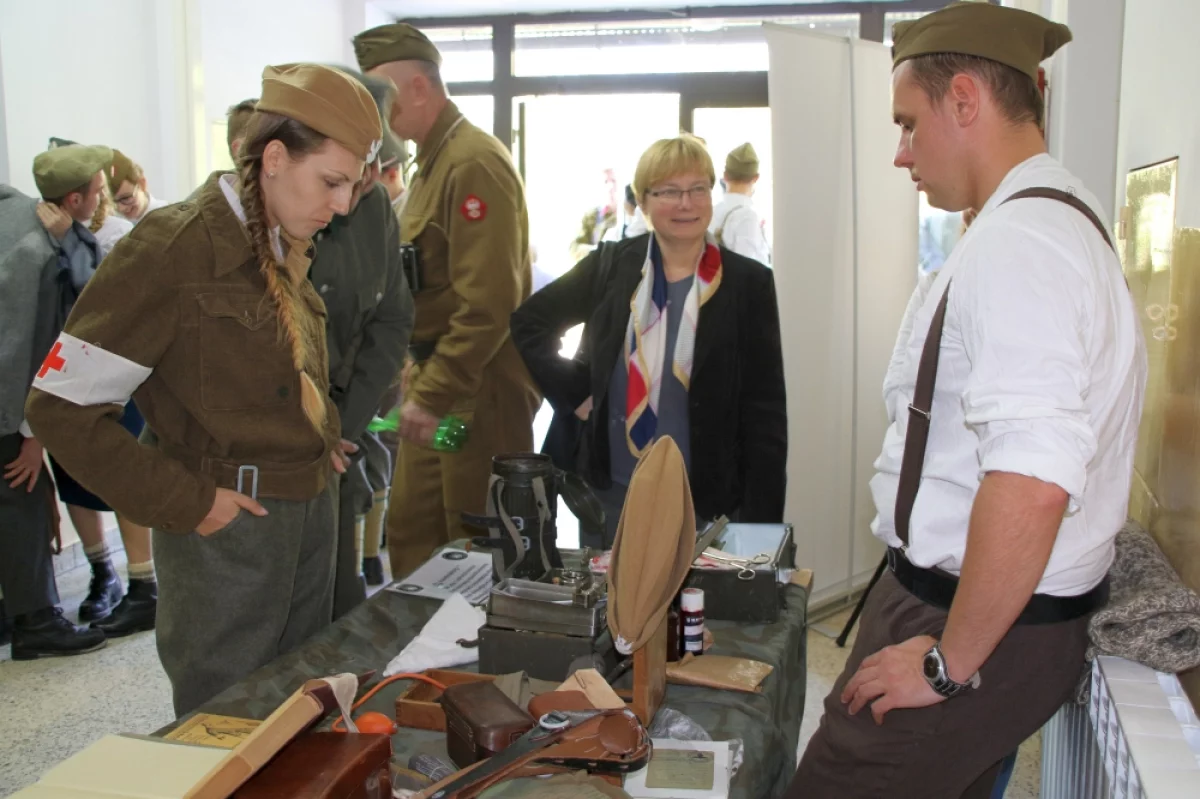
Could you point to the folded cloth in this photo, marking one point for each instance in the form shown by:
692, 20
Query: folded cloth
1151, 617
437, 647
719, 671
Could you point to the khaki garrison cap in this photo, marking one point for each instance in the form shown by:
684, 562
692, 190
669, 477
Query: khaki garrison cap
396, 42
122, 169
57, 172
327, 100
742, 162
1015, 38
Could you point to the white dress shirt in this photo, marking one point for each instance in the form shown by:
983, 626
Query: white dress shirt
740, 227
1041, 373
113, 229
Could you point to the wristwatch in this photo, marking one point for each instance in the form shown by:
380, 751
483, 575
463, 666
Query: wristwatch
938, 676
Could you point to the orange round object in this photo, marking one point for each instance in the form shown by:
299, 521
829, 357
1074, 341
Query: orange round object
375, 722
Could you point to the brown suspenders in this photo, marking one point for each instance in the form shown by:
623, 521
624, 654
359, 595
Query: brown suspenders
919, 410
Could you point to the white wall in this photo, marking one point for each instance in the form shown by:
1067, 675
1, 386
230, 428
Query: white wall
845, 265
240, 37
1160, 117
1085, 81
89, 72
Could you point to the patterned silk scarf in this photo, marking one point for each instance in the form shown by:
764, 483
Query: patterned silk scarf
646, 339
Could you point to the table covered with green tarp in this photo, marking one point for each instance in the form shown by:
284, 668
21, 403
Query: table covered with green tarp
372, 634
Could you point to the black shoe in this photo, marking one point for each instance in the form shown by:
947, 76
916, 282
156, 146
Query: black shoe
45, 633
373, 570
134, 614
103, 594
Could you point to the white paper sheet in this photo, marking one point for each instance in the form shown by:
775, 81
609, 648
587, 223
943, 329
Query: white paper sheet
451, 571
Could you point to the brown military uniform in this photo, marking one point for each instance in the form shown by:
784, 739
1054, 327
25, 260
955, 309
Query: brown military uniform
465, 211
182, 296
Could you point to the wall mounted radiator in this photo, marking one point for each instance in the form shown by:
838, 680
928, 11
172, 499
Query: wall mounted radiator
1137, 738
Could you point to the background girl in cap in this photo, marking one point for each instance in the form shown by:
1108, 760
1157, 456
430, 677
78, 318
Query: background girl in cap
130, 192
226, 353
698, 358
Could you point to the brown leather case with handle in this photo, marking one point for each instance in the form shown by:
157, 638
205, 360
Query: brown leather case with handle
605, 742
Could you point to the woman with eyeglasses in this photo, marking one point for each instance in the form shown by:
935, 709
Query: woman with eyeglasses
681, 338
130, 193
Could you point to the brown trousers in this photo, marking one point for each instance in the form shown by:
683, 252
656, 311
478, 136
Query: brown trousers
952, 749
431, 489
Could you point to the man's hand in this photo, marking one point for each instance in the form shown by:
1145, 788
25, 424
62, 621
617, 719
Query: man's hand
417, 424
340, 456
225, 509
894, 678
584, 410
54, 219
27, 466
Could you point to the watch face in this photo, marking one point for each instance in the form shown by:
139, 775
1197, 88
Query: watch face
931, 667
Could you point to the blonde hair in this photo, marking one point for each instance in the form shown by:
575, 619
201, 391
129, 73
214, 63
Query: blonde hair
103, 209
667, 158
299, 325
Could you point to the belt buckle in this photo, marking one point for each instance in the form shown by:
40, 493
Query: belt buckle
893, 554
253, 471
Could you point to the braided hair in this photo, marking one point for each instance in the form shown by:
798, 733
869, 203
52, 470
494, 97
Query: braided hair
103, 209
298, 324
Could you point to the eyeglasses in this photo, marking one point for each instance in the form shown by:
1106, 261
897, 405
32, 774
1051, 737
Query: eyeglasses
127, 200
674, 195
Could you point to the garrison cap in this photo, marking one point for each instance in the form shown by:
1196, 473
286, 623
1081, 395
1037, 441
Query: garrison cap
327, 100
742, 162
1015, 38
398, 41
121, 170
56, 172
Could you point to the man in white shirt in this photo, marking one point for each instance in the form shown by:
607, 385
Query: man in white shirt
735, 223
130, 190
999, 494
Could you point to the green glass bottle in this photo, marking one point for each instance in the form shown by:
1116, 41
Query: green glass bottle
451, 434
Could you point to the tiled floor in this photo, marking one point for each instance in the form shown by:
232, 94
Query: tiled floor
53, 708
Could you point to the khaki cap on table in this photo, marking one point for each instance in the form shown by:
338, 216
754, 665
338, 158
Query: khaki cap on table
1015, 38
327, 100
398, 41
63, 169
742, 162
121, 170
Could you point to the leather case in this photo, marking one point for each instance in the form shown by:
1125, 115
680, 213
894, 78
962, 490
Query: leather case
326, 765
480, 722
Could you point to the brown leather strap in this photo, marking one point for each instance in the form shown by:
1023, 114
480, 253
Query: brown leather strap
1079, 205
296, 483
920, 409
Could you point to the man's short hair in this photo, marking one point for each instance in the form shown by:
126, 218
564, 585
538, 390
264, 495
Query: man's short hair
60, 201
238, 117
1017, 95
432, 73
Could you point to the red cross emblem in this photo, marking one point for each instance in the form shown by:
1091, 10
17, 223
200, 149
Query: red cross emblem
53, 360
473, 209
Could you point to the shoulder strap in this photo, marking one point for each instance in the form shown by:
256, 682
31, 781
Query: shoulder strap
1046, 193
917, 436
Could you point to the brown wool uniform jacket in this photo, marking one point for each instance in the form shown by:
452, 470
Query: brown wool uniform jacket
178, 317
466, 213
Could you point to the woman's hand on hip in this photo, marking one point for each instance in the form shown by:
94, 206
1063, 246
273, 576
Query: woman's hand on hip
225, 509
584, 410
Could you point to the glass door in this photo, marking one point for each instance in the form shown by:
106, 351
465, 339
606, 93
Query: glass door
723, 129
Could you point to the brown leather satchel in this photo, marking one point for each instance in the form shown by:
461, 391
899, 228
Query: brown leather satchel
480, 721
326, 765
606, 742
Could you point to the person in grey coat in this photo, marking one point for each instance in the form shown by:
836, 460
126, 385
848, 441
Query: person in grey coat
370, 316
35, 288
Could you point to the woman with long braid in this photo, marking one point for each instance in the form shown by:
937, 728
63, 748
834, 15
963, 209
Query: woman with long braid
205, 315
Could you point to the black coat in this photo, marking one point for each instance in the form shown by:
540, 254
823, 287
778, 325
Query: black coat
737, 404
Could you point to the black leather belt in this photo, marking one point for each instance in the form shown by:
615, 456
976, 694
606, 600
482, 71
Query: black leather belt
421, 350
937, 588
